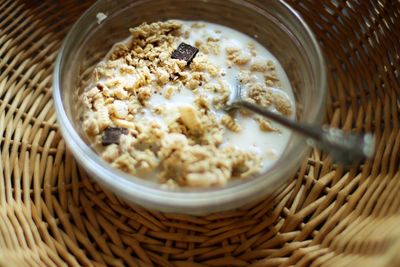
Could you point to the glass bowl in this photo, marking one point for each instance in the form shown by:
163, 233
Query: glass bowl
274, 24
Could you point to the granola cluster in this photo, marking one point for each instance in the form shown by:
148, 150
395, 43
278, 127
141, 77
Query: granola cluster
183, 145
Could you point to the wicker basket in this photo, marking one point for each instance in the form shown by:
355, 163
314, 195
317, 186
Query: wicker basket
52, 214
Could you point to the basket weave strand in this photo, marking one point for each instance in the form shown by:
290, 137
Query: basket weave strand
52, 214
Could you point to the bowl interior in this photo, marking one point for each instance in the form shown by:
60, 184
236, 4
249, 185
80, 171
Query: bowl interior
274, 25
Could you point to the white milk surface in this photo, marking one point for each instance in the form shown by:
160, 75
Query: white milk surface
270, 145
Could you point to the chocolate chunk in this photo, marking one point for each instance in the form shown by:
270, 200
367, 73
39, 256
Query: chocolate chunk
185, 52
111, 135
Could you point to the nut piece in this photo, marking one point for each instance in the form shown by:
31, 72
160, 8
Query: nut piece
190, 118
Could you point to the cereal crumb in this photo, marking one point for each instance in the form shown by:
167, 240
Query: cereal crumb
169, 91
202, 103
112, 152
282, 104
260, 94
237, 56
266, 125
230, 123
119, 109
259, 66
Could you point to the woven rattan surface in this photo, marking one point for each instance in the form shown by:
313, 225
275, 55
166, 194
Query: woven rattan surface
52, 214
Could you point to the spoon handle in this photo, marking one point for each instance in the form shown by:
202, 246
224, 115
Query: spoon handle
345, 148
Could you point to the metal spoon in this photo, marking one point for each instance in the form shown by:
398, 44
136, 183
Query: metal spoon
344, 148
